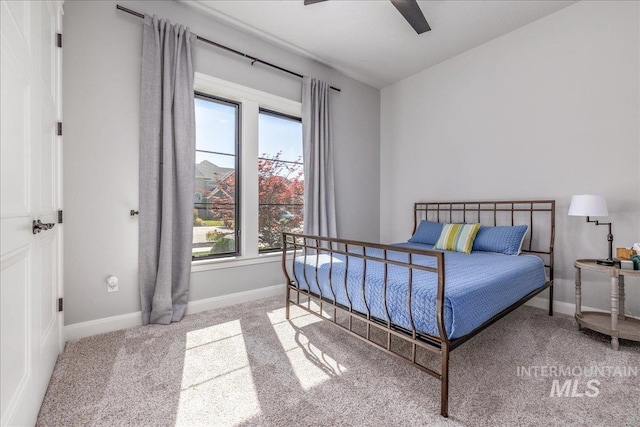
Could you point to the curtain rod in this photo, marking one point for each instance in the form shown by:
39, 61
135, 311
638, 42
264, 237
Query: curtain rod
228, 49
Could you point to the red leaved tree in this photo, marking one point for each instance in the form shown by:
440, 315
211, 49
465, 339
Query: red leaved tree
281, 195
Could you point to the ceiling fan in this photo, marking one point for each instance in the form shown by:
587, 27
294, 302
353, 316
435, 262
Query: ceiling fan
409, 9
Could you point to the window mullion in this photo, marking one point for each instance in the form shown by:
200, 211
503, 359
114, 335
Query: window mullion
249, 185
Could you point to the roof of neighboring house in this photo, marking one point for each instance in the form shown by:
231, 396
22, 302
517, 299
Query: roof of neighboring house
206, 169
219, 192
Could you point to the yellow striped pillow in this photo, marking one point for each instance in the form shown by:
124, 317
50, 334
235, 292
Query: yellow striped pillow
457, 237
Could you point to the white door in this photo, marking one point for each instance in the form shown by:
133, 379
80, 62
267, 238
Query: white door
30, 190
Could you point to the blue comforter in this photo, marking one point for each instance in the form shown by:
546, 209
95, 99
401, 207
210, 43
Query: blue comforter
477, 286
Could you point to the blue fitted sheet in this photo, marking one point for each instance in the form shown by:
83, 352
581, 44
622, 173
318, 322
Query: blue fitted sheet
477, 286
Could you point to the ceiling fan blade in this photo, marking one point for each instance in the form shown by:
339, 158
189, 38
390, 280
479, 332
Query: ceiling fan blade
308, 2
412, 13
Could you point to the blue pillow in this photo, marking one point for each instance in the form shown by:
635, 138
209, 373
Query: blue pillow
427, 232
501, 239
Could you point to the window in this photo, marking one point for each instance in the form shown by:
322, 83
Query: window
216, 201
280, 178
249, 173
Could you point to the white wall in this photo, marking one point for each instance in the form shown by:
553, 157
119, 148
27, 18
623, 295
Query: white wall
547, 111
102, 50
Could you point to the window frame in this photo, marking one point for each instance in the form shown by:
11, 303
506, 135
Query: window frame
251, 101
238, 173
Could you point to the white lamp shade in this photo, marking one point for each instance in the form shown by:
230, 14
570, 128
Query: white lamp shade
588, 205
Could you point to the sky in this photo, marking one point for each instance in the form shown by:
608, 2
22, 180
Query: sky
216, 129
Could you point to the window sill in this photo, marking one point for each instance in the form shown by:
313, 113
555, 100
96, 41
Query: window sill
234, 262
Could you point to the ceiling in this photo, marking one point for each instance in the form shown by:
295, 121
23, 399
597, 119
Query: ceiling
369, 40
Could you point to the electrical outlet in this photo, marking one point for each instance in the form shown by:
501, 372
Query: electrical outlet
112, 284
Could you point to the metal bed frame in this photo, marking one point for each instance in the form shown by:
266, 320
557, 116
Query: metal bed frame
540, 242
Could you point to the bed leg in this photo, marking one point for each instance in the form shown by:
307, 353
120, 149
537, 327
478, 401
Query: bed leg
444, 381
551, 300
287, 303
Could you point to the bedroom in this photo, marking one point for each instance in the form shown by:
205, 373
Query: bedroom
545, 111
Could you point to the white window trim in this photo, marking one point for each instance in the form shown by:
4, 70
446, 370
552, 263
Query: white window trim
251, 100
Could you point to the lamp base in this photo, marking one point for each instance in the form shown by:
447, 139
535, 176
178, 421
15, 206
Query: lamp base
607, 262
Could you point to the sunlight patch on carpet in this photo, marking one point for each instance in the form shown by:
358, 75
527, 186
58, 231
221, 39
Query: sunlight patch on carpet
299, 316
217, 384
311, 365
213, 333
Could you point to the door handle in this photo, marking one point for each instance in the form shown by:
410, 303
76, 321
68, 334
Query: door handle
39, 226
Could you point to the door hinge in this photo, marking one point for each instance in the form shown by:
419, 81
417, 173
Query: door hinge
59, 217
60, 304
59, 39
59, 128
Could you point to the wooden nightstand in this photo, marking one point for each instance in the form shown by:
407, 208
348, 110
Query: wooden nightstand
615, 323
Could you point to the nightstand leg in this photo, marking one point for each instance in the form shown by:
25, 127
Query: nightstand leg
578, 294
621, 314
614, 313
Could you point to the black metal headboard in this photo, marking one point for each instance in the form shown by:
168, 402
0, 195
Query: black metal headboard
539, 215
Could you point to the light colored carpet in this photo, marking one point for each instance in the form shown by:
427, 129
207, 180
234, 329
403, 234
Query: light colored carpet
247, 365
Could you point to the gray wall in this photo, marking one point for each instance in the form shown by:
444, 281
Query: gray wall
102, 49
547, 111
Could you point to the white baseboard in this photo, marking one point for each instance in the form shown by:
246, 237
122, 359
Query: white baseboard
108, 324
76, 331
558, 306
562, 307
237, 298
115, 323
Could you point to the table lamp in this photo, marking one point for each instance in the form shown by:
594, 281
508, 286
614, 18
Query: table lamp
591, 205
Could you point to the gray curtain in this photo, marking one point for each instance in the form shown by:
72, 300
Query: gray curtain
167, 170
319, 200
